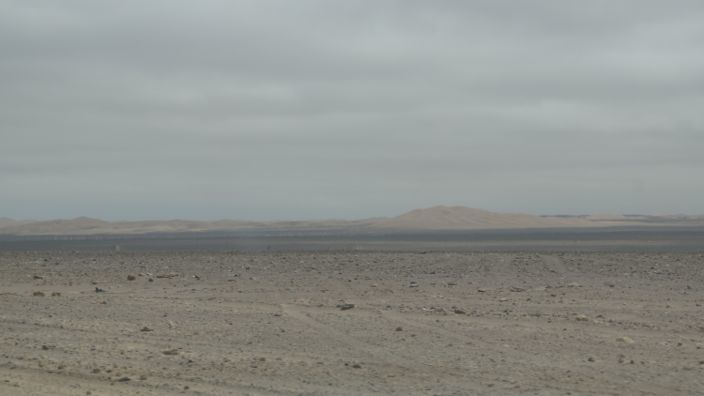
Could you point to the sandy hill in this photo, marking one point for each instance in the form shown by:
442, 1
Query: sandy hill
435, 218
459, 217
7, 222
89, 226
62, 226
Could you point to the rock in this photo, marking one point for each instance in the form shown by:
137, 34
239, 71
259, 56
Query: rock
99, 290
574, 284
482, 290
581, 318
503, 299
413, 284
458, 311
145, 329
399, 328
56, 294
167, 276
131, 277
196, 277
170, 352
345, 307
37, 277
626, 340
357, 366
38, 294
517, 289
439, 310
124, 379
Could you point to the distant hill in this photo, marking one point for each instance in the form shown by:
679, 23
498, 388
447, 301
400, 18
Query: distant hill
90, 226
434, 218
71, 226
460, 217
7, 222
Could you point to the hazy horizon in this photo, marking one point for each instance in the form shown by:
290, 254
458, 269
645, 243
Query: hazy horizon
306, 110
339, 218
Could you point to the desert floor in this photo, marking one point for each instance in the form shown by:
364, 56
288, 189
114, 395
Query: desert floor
209, 323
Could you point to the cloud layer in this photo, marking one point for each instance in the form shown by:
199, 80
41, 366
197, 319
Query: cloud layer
315, 109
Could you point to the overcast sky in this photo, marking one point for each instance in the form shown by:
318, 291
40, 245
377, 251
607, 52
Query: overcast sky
349, 109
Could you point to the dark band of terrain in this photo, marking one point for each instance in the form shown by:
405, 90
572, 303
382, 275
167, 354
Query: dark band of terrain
607, 239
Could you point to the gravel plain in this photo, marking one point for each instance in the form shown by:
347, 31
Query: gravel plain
351, 323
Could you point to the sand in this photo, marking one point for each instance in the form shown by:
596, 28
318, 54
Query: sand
422, 324
426, 219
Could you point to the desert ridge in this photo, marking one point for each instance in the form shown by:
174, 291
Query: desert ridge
433, 218
461, 218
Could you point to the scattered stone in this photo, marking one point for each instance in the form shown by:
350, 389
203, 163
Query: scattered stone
145, 329
55, 294
590, 359
124, 379
399, 328
131, 277
345, 307
626, 340
482, 290
170, 352
413, 284
517, 289
503, 299
458, 311
197, 277
439, 310
581, 318
38, 294
37, 277
574, 284
99, 290
357, 366
167, 276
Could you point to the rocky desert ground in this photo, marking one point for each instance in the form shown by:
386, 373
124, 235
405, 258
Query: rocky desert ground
351, 323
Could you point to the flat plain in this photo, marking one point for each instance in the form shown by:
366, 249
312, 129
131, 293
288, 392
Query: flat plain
345, 322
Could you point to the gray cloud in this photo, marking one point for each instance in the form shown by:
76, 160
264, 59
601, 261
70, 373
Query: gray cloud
313, 109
